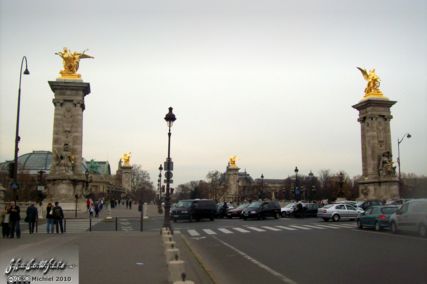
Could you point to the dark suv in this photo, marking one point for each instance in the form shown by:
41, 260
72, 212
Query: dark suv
261, 210
194, 209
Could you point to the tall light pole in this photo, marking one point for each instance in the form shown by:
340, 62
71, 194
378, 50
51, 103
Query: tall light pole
296, 191
160, 189
407, 135
310, 175
170, 118
17, 138
261, 194
341, 183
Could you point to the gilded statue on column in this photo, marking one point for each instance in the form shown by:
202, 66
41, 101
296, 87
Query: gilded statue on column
71, 61
232, 162
126, 159
373, 87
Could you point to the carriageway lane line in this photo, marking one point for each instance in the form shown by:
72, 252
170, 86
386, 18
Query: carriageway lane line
270, 270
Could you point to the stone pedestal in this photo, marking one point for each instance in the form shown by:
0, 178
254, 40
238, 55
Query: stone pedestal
232, 178
126, 178
378, 172
66, 178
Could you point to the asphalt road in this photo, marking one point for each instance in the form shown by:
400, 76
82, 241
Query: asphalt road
308, 250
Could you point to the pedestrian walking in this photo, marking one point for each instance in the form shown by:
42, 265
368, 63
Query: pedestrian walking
49, 218
4, 218
32, 217
14, 219
58, 217
130, 204
91, 210
97, 208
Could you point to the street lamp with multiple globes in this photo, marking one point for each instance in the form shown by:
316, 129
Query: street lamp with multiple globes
341, 183
170, 118
407, 135
310, 194
17, 138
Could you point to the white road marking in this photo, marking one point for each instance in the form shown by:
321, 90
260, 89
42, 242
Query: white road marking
193, 233
271, 228
328, 226
225, 231
315, 227
241, 230
299, 227
286, 228
256, 229
209, 232
282, 277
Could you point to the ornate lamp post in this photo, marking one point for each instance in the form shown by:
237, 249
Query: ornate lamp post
296, 191
160, 210
170, 118
15, 185
261, 193
407, 135
310, 175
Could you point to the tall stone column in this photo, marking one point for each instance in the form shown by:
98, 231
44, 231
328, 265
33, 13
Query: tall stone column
379, 179
126, 178
232, 178
66, 178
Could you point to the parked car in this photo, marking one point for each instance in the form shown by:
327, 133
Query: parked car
377, 217
368, 203
194, 209
236, 212
359, 209
288, 209
261, 210
222, 209
337, 212
411, 217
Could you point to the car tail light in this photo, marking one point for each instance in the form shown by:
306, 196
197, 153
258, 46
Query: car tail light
382, 217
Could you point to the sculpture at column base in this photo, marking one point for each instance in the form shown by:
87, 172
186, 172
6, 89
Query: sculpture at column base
380, 189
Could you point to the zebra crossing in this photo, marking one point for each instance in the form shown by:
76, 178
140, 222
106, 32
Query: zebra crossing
262, 229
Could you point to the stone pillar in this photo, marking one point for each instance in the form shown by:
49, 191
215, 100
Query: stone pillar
66, 178
232, 177
126, 172
379, 179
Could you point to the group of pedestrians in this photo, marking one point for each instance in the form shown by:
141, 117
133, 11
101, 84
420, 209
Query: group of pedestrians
54, 218
94, 207
10, 217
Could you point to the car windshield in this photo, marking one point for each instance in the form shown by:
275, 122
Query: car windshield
183, 204
388, 210
241, 206
255, 204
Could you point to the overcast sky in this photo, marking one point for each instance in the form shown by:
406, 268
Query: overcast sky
271, 82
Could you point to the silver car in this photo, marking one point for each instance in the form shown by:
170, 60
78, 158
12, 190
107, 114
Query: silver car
411, 217
337, 212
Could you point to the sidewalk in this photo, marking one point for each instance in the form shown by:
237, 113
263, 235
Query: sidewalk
111, 257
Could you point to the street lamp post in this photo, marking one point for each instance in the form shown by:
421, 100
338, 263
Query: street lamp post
407, 135
160, 189
261, 193
310, 175
296, 191
17, 138
170, 118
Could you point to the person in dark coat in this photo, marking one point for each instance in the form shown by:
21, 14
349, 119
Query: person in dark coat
32, 217
58, 217
49, 218
14, 219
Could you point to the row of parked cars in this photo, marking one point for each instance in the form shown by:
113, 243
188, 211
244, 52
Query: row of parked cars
409, 216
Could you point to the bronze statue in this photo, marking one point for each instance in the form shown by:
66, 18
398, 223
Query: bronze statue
372, 88
71, 62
